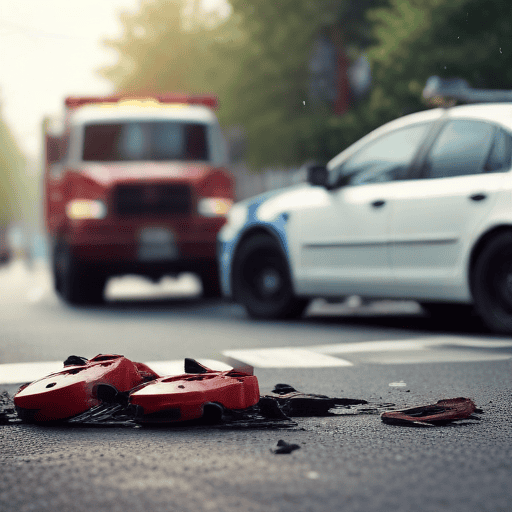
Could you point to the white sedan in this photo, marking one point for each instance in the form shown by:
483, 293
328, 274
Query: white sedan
420, 208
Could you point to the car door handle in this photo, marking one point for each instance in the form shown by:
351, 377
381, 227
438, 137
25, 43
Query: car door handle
379, 203
478, 197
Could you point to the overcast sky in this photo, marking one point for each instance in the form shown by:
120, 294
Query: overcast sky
50, 49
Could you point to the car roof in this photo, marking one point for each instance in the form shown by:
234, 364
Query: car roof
141, 110
496, 112
500, 113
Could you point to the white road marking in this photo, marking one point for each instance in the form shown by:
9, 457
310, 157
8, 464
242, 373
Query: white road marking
432, 349
19, 373
412, 344
164, 368
286, 357
135, 287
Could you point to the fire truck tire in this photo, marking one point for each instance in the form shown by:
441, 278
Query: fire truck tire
77, 283
210, 280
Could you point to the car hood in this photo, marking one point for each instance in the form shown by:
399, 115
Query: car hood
270, 205
109, 173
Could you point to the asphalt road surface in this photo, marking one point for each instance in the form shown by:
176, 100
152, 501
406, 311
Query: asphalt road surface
380, 352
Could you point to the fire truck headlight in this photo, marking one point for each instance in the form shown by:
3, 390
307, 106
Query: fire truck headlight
214, 206
86, 209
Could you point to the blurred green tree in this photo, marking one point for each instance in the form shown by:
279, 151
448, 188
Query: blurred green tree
416, 39
412, 40
12, 177
164, 47
257, 61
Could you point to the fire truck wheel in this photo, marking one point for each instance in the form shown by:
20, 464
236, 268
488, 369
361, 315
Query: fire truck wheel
261, 280
76, 282
210, 280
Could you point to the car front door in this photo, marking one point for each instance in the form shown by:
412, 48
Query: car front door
433, 216
342, 247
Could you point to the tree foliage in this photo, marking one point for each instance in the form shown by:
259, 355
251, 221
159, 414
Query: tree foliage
161, 50
12, 184
419, 38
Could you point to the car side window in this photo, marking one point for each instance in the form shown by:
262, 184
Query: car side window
386, 159
463, 147
499, 157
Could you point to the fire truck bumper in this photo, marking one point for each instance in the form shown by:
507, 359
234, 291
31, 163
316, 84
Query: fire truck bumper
155, 246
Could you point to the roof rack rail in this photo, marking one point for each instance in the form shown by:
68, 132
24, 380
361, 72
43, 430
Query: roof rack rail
439, 91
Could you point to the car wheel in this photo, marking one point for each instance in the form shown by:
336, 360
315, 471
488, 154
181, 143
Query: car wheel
76, 282
448, 311
261, 280
209, 275
492, 284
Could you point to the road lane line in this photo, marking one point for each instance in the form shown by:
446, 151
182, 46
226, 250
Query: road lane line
285, 357
409, 351
420, 343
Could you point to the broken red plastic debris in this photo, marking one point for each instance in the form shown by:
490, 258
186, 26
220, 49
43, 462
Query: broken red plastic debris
79, 387
440, 413
202, 394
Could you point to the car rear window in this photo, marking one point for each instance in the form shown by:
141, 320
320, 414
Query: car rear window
145, 140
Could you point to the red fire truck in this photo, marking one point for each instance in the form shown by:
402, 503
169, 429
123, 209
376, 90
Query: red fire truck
135, 185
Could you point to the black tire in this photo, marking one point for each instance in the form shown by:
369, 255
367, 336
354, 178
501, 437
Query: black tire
448, 311
492, 284
76, 282
261, 280
210, 280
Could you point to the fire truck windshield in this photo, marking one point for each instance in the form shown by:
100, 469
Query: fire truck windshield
145, 140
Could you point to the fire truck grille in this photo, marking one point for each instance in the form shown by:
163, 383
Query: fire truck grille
152, 199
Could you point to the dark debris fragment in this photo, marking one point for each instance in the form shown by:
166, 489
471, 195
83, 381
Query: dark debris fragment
7, 409
75, 361
442, 412
293, 403
283, 389
285, 448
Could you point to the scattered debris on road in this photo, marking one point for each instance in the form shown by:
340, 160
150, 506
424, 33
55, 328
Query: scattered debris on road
285, 448
111, 390
440, 413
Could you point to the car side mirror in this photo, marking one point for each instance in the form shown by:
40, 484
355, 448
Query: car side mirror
318, 175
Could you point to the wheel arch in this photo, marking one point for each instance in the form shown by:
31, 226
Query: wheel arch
479, 246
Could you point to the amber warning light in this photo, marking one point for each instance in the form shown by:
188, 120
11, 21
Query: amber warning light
207, 100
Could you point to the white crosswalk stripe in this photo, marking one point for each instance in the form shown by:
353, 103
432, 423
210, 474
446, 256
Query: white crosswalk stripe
411, 351
287, 357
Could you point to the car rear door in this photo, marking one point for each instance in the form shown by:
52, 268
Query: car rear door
433, 216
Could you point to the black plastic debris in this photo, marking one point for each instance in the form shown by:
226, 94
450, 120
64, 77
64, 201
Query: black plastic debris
283, 389
440, 413
293, 403
75, 361
284, 448
7, 409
